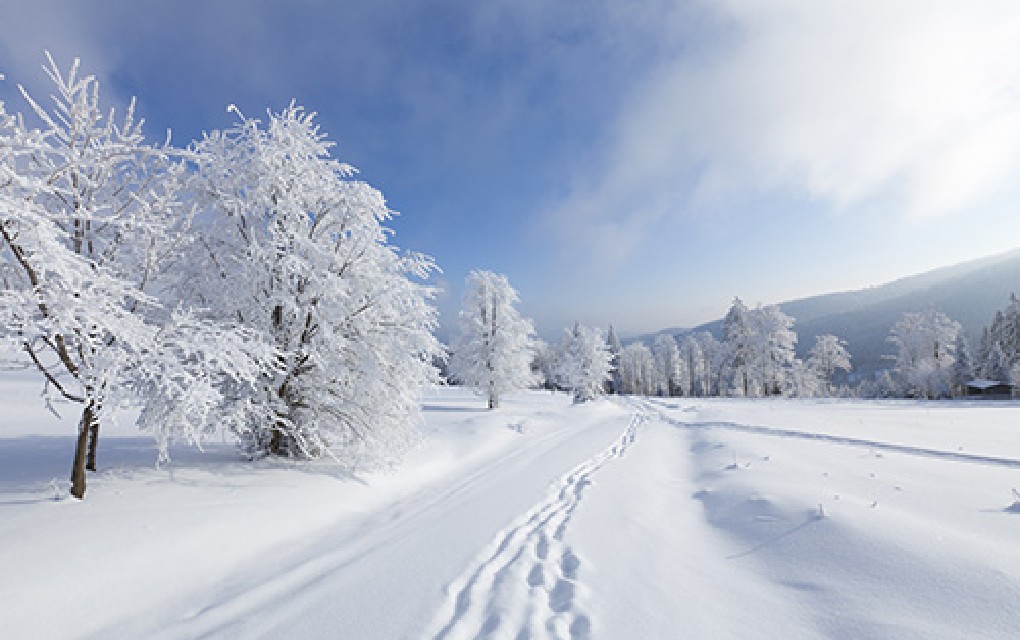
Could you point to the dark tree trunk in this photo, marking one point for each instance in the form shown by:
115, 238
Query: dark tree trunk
276, 442
276, 438
90, 461
88, 422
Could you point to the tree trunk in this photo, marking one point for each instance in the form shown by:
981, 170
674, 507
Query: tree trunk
88, 421
276, 439
276, 442
90, 461
493, 397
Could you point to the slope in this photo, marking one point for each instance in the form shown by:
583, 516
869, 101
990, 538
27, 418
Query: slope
969, 292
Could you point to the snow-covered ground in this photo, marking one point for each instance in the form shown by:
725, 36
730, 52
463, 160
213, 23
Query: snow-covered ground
630, 518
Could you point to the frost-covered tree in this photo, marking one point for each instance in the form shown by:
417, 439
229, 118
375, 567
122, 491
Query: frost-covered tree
637, 370
963, 368
803, 382
585, 362
92, 221
295, 248
494, 348
827, 356
716, 358
997, 365
773, 354
669, 367
694, 366
999, 348
984, 348
738, 335
925, 352
759, 348
615, 347
545, 364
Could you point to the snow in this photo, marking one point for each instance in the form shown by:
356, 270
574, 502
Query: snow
981, 383
637, 518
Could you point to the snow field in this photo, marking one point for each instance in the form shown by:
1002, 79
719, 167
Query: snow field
524, 583
631, 518
873, 543
212, 546
654, 567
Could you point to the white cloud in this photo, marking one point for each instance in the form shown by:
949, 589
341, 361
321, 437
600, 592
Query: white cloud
904, 108
66, 30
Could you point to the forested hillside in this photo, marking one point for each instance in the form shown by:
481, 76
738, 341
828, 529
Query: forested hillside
969, 293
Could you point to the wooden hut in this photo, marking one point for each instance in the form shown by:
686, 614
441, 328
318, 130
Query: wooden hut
990, 389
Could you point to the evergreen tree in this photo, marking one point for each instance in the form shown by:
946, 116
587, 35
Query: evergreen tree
999, 349
613, 342
984, 350
963, 368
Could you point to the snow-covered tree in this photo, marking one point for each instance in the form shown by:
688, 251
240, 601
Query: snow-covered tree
615, 347
669, 366
714, 364
997, 366
984, 348
803, 382
296, 248
93, 220
999, 349
585, 362
494, 348
695, 383
828, 355
760, 349
739, 339
545, 364
773, 354
925, 352
637, 370
963, 368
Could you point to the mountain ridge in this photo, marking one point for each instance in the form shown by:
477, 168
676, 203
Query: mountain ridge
969, 292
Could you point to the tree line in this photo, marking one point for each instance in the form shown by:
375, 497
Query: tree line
755, 357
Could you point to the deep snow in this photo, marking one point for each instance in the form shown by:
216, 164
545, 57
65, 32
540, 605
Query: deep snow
631, 518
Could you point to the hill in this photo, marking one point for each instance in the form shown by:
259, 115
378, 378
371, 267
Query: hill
968, 292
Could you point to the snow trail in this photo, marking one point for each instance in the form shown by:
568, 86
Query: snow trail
525, 582
926, 452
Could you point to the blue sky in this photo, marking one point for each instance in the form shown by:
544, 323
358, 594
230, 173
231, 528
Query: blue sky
638, 163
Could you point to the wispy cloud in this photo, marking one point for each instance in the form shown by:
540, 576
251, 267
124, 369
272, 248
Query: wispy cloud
898, 108
63, 29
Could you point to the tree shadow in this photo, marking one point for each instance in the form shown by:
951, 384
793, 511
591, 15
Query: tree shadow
811, 519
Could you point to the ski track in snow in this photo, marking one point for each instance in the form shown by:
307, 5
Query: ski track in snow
240, 597
924, 452
525, 584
